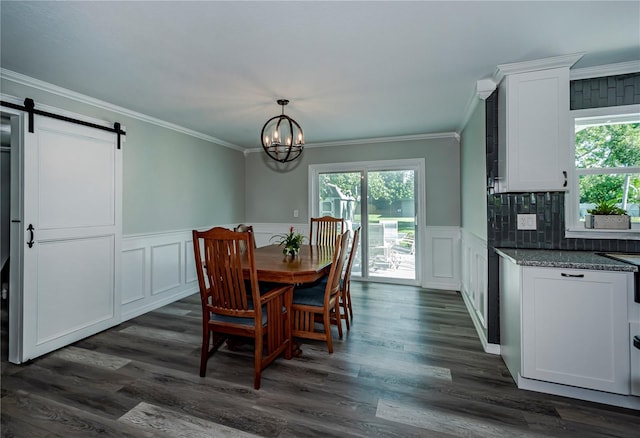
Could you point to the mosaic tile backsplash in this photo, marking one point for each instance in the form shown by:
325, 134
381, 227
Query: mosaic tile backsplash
502, 211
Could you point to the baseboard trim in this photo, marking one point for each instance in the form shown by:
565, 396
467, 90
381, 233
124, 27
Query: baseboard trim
486, 346
157, 304
454, 285
624, 401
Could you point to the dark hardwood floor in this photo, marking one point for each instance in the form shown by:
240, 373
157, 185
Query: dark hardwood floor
411, 366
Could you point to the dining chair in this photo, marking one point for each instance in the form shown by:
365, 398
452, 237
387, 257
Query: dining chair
321, 300
242, 228
345, 283
345, 306
325, 229
234, 307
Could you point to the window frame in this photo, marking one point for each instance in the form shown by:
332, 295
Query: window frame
573, 227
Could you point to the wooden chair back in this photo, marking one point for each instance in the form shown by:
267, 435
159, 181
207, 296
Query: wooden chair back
337, 266
219, 253
352, 255
242, 228
324, 230
321, 302
234, 306
346, 279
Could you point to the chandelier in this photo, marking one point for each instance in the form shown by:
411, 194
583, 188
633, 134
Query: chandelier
282, 137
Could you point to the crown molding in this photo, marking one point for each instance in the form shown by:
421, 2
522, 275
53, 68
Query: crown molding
537, 64
599, 71
484, 88
402, 138
82, 98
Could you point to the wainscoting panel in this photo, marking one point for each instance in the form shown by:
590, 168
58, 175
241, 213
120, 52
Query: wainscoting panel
165, 267
133, 275
189, 262
475, 285
263, 232
158, 269
443, 264
442, 258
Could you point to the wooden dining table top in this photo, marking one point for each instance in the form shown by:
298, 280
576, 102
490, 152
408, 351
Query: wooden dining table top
311, 264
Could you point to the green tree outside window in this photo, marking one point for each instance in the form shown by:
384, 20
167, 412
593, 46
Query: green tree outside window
609, 146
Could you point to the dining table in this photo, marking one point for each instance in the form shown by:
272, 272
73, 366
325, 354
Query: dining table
310, 264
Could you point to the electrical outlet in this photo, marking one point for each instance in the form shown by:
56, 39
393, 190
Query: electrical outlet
526, 221
295, 213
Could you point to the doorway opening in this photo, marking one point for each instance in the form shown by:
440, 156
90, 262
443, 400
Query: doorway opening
9, 152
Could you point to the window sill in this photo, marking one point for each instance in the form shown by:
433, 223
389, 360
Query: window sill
583, 233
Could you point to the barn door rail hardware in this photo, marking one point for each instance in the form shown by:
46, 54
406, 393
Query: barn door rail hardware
30, 107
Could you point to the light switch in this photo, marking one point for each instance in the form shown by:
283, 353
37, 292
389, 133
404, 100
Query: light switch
295, 213
526, 221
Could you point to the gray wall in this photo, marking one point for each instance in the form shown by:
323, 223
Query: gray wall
473, 178
272, 195
171, 181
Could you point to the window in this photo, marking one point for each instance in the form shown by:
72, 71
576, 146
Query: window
606, 156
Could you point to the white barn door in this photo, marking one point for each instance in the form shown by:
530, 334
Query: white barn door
72, 227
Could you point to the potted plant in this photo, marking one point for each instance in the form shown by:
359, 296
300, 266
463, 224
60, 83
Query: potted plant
291, 242
607, 215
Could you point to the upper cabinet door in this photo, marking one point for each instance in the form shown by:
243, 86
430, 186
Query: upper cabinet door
534, 131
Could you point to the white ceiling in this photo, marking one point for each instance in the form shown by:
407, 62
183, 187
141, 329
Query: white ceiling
352, 70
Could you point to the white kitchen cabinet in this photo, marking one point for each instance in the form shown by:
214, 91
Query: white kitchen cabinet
533, 139
575, 329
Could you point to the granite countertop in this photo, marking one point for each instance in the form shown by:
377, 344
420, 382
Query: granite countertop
564, 259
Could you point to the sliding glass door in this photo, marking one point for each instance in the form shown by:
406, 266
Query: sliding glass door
391, 224
381, 198
339, 194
